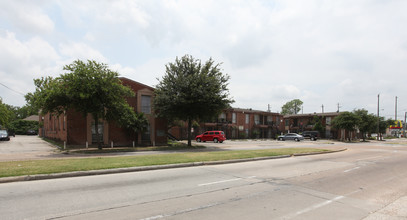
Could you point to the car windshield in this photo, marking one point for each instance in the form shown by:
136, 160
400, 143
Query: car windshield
3, 132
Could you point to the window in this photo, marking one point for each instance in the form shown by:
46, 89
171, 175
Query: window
233, 117
146, 104
278, 120
328, 120
247, 119
256, 119
222, 117
287, 122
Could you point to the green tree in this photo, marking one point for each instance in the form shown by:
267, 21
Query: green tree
20, 126
89, 88
367, 123
5, 115
292, 107
318, 125
191, 91
346, 120
383, 125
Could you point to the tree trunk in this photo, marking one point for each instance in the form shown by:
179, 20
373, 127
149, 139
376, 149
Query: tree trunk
189, 131
97, 131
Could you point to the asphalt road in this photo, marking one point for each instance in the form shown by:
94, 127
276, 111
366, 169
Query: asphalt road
368, 181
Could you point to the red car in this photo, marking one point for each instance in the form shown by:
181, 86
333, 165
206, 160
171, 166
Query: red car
215, 136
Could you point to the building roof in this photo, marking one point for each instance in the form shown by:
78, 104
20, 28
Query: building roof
249, 110
32, 118
127, 79
325, 114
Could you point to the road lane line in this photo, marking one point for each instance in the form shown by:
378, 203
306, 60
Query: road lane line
217, 182
317, 206
369, 158
355, 168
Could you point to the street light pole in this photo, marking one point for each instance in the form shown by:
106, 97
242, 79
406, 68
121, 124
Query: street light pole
395, 115
404, 126
378, 116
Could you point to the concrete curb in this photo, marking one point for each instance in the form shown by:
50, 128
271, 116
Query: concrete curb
146, 168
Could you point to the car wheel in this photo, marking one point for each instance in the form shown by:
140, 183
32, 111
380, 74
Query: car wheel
280, 139
198, 139
296, 139
312, 139
215, 140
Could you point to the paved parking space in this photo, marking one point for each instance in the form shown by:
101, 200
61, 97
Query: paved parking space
24, 147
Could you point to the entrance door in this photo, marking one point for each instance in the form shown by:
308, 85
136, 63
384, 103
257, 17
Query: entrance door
100, 129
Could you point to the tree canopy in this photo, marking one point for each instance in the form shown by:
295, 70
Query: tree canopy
367, 122
4, 115
87, 87
346, 120
190, 90
292, 107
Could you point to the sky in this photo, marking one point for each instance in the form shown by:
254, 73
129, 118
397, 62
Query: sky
323, 52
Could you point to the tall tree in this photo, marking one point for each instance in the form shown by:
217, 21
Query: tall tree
366, 123
191, 91
89, 88
4, 115
383, 125
347, 121
292, 107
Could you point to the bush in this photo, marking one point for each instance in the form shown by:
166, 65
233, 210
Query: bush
21, 126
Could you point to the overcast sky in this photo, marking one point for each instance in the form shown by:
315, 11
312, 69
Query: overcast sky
322, 52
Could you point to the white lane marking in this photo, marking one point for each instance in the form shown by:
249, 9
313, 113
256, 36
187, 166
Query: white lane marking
369, 158
355, 168
225, 181
316, 206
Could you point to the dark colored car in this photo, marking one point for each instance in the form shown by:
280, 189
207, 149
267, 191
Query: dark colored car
215, 136
4, 135
291, 136
312, 135
31, 132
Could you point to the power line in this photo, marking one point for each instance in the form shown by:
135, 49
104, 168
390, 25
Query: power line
12, 89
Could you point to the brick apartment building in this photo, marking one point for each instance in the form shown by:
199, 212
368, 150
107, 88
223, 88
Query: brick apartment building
76, 129
305, 122
237, 123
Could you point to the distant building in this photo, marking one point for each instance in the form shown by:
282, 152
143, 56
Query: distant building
76, 129
32, 118
299, 123
237, 123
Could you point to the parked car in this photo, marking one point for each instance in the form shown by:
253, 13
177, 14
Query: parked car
312, 135
215, 136
4, 135
291, 136
31, 132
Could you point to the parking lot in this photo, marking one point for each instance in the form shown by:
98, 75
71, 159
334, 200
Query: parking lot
23, 147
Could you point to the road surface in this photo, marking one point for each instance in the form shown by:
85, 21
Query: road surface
368, 181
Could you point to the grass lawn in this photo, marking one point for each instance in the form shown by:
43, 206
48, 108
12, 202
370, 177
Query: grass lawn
32, 167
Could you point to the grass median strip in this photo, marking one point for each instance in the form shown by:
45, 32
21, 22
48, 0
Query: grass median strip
32, 167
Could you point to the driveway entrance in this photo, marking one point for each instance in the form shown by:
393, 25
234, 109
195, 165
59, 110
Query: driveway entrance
24, 147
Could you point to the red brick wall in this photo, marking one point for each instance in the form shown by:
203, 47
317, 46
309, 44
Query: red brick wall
77, 128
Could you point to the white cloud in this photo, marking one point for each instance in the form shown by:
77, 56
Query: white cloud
323, 52
21, 62
81, 51
27, 16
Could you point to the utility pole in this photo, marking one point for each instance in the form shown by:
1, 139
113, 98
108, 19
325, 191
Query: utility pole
404, 126
395, 116
378, 116
269, 109
322, 108
338, 107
